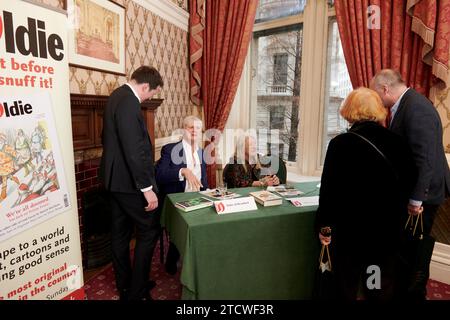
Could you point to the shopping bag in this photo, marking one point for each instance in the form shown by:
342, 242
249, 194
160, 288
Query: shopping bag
415, 256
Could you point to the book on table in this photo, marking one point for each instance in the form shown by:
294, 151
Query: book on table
289, 193
194, 204
280, 187
266, 198
285, 190
216, 194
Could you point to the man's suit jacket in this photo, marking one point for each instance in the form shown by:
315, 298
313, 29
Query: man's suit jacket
167, 171
127, 160
417, 120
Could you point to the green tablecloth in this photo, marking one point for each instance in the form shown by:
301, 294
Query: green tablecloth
269, 253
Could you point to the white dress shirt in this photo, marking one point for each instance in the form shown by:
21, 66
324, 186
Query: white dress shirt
395, 106
192, 163
134, 91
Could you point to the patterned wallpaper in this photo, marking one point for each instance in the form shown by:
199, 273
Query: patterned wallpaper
441, 99
181, 3
149, 40
442, 102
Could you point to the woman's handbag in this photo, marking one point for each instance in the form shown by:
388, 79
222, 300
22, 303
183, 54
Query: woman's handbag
325, 284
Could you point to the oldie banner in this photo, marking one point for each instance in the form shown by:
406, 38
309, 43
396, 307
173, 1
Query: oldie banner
40, 252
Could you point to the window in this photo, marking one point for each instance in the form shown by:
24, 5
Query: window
298, 73
276, 145
273, 9
278, 77
280, 72
277, 117
338, 86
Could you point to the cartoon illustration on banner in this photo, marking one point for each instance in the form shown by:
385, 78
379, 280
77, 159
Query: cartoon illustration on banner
33, 186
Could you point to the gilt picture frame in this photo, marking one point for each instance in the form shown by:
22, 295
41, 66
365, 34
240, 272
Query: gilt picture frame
97, 35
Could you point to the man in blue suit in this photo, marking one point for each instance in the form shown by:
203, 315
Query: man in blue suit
181, 168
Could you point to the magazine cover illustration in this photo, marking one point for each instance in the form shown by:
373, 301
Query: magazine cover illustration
33, 186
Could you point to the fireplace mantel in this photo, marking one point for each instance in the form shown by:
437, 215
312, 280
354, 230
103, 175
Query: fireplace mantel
87, 120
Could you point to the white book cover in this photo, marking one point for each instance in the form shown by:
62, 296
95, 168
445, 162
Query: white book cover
266, 196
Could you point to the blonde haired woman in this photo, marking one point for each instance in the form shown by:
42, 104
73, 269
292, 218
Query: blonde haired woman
244, 168
367, 176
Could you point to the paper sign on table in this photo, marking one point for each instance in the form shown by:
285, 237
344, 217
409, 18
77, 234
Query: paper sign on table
235, 205
305, 201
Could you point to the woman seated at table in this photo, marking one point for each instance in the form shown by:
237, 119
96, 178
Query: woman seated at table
245, 168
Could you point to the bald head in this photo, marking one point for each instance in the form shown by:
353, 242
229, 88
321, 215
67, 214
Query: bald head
389, 85
389, 77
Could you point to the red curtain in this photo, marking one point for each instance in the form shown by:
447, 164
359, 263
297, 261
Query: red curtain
228, 27
395, 44
431, 20
196, 27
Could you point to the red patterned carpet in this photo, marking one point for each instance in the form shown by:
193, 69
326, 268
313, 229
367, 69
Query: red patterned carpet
438, 290
103, 286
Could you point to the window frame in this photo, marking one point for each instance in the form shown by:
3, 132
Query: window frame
314, 18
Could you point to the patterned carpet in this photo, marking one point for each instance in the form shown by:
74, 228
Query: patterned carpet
103, 286
438, 290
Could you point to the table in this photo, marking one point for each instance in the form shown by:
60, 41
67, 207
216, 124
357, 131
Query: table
269, 253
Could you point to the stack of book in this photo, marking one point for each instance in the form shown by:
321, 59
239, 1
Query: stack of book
266, 198
194, 204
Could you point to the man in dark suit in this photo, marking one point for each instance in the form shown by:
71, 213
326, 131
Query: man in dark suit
182, 168
415, 118
127, 172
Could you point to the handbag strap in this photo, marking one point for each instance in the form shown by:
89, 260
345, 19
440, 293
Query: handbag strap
325, 247
413, 225
329, 258
379, 152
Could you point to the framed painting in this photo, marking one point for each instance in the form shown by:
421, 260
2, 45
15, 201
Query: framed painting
97, 35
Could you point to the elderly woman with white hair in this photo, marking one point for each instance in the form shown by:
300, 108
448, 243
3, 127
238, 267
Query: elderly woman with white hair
245, 168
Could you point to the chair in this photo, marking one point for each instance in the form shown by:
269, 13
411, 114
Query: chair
282, 171
225, 172
162, 229
162, 234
